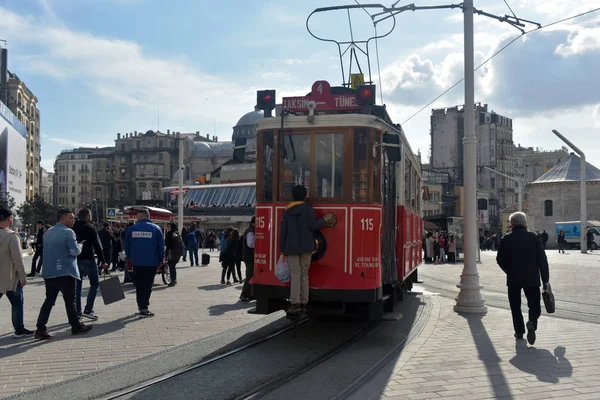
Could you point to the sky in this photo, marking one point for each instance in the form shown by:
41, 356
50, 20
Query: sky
99, 67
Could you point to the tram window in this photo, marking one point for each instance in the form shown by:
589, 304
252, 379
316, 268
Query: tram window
268, 167
377, 168
296, 163
407, 175
329, 155
413, 186
360, 189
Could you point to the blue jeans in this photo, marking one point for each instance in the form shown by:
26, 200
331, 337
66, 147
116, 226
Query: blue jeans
90, 269
193, 249
16, 301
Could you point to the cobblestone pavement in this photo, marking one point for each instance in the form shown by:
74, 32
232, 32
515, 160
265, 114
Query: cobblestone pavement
197, 307
464, 357
573, 277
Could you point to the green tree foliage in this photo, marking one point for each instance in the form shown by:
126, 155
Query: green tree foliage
6, 200
37, 209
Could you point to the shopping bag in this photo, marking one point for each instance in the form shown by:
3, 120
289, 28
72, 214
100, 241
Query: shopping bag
111, 289
548, 297
282, 269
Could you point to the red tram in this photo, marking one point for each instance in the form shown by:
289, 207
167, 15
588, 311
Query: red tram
356, 164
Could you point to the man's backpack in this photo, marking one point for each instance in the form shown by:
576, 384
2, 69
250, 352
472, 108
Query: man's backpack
192, 238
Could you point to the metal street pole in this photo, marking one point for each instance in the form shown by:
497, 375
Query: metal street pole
180, 193
519, 186
469, 298
583, 194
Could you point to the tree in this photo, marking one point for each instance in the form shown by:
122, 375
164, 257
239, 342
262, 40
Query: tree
37, 209
6, 200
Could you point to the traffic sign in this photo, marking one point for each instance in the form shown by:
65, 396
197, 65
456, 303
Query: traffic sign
111, 213
357, 80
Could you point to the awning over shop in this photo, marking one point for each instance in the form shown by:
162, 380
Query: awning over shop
233, 195
430, 226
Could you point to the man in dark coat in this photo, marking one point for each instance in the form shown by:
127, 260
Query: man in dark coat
106, 239
248, 241
297, 242
523, 259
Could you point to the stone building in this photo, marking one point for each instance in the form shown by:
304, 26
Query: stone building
141, 164
534, 162
495, 149
23, 103
72, 177
47, 185
555, 196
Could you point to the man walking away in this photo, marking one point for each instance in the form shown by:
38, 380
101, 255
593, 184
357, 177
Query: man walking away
174, 247
12, 271
544, 239
88, 236
523, 259
39, 248
145, 247
561, 242
248, 257
60, 273
106, 239
298, 243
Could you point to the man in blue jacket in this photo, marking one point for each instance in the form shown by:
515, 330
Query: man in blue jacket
145, 247
60, 273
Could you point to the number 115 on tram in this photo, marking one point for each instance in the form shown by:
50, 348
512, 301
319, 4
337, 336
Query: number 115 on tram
356, 164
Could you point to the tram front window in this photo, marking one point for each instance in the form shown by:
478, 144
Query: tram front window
296, 163
329, 154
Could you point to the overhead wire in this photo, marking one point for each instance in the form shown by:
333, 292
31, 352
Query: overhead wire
376, 50
498, 52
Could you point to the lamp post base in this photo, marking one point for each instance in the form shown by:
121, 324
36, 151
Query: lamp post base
469, 299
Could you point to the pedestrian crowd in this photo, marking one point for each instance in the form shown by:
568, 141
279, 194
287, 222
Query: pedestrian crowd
73, 250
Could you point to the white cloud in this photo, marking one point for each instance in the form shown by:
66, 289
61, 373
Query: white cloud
122, 72
75, 143
579, 42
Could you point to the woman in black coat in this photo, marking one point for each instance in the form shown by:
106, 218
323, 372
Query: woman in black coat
231, 255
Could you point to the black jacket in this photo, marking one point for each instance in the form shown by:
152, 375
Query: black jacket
106, 239
248, 252
86, 231
523, 259
39, 241
297, 226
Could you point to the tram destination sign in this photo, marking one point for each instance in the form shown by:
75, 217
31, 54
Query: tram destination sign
321, 95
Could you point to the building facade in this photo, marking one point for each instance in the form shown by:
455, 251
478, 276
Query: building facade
535, 162
23, 103
495, 150
72, 177
555, 196
47, 185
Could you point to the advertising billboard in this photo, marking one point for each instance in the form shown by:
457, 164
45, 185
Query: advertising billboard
13, 139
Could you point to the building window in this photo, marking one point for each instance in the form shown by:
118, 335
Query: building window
547, 208
73, 168
73, 200
72, 189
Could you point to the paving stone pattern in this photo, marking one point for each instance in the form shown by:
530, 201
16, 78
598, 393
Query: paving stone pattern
197, 307
459, 356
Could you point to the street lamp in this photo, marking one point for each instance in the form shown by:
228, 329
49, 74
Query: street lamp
470, 299
519, 182
583, 194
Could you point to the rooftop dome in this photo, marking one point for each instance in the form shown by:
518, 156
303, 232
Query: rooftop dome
150, 133
250, 118
245, 128
212, 149
568, 170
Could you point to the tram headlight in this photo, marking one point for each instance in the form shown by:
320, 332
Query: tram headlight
365, 95
265, 100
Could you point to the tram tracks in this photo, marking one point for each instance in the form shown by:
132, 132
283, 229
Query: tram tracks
152, 382
333, 352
